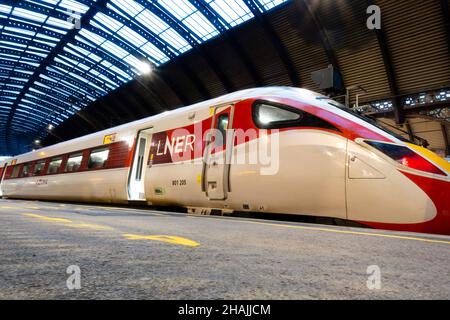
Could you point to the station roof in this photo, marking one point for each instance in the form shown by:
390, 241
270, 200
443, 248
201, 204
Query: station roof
134, 58
59, 56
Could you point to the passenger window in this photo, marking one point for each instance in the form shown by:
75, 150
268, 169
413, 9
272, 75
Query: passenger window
74, 162
38, 168
222, 126
54, 166
98, 158
15, 172
267, 116
25, 170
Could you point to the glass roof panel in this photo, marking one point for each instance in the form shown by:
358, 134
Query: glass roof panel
270, 4
31, 15
73, 5
5, 9
188, 15
233, 11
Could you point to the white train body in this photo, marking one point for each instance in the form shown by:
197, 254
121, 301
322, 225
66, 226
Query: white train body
285, 150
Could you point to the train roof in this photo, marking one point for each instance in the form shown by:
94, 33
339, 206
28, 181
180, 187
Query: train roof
127, 131
298, 93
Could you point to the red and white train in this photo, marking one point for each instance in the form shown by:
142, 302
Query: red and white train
284, 150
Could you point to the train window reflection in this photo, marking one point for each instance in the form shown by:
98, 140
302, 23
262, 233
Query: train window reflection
270, 114
74, 162
25, 170
38, 168
277, 116
54, 166
15, 172
98, 158
222, 126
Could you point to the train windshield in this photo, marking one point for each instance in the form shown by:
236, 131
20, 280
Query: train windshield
368, 119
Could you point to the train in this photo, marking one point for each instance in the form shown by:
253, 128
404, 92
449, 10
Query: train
277, 150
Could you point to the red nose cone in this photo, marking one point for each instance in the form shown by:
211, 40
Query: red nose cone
439, 193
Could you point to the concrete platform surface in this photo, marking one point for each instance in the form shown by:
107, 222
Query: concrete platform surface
128, 253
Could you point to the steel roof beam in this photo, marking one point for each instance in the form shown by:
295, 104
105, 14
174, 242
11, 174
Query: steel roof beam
326, 43
30, 25
446, 17
167, 49
390, 72
103, 55
135, 53
73, 81
14, 73
48, 103
16, 39
53, 85
8, 87
275, 40
25, 120
219, 23
175, 24
176, 90
86, 76
160, 103
95, 66
195, 80
35, 7
12, 52
14, 64
55, 94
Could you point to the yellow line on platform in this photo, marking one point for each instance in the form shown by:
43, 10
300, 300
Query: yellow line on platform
90, 226
380, 235
4, 207
45, 218
164, 238
70, 223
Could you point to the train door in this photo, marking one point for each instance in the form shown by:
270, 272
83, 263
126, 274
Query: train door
217, 154
2, 175
136, 179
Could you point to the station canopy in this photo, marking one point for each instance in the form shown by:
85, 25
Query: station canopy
59, 56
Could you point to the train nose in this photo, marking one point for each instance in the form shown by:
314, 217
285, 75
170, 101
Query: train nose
438, 189
439, 192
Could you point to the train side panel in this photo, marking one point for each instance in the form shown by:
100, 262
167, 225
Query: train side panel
304, 174
107, 186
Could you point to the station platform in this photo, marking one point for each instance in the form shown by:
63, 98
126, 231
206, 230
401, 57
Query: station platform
129, 253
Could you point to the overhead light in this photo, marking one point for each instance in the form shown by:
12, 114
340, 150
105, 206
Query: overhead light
144, 67
50, 127
37, 141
